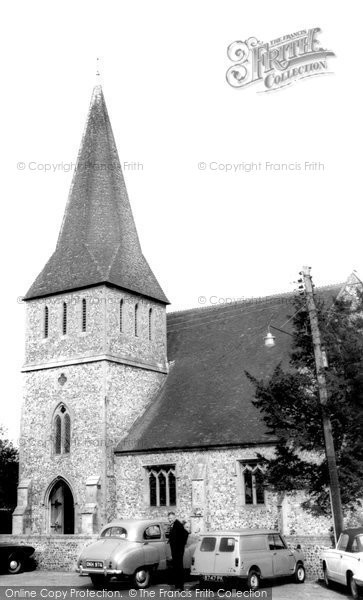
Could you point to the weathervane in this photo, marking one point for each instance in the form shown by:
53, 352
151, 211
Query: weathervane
98, 72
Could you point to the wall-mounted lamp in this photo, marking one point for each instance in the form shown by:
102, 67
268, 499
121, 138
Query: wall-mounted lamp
269, 339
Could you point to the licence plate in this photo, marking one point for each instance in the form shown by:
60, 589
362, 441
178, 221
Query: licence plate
95, 564
213, 578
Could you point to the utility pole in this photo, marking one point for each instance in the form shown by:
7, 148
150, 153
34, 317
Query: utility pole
320, 363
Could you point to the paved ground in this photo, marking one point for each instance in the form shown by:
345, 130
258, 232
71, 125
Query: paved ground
48, 579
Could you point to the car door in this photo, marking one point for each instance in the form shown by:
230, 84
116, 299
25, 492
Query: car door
154, 537
334, 559
225, 556
283, 560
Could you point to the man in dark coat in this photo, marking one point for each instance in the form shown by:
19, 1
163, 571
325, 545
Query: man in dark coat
178, 536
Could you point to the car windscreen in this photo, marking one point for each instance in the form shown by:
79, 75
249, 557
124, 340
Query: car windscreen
115, 532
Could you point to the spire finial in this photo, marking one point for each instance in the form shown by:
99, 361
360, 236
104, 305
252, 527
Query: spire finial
98, 71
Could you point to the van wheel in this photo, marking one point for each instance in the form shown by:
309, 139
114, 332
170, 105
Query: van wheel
353, 588
300, 573
253, 580
142, 578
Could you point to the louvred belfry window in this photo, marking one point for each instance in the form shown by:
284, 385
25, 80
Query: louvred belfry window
150, 323
253, 487
162, 485
64, 319
84, 314
46, 321
121, 315
62, 430
136, 320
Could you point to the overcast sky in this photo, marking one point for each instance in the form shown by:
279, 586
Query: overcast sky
208, 232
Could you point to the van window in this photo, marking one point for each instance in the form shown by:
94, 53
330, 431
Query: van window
252, 542
275, 542
226, 544
208, 544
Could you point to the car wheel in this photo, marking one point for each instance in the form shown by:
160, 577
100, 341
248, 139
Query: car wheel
15, 563
300, 573
142, 578
353, 588
253, 580
98, 580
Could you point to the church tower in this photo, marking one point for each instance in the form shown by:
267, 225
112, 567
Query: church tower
95, 348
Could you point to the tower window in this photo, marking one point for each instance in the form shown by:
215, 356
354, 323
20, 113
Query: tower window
121, 315
84, 314
136, 320
162, 485
150, 323
62, 430
46, 321
64, 319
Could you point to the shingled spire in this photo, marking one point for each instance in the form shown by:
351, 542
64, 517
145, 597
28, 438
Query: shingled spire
98, 241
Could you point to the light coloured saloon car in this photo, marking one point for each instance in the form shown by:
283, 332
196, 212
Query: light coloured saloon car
344, 564
247, 554
131, 550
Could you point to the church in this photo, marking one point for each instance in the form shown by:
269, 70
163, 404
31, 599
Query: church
130, 410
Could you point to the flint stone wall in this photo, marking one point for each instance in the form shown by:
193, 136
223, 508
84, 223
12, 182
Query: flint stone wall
60, 553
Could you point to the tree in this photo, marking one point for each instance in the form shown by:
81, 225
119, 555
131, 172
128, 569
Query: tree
9, 468
289, 402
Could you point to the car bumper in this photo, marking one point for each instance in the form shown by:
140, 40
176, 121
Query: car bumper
106, 572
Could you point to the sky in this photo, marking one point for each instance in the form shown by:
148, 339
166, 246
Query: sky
210, 234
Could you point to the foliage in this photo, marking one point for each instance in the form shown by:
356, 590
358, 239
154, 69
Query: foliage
289, 402
9, 467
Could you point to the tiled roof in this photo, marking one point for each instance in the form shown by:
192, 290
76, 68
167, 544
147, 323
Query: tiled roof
98, 241
207, 399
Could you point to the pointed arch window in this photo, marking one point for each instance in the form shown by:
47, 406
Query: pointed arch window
64, 319
253, 483
136, 320
121, 315
62, 430
150, 324
162, 485
46, 321
84, 314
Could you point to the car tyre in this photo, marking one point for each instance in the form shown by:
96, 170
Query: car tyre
253, 580
299, 573
326, 578
98, 581
353, 588
142, 578
15, 563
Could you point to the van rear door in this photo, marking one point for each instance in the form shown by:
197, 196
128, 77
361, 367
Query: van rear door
225, 561
205, 556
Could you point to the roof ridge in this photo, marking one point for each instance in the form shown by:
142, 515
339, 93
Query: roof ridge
250, 300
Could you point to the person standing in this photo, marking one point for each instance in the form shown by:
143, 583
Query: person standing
178, 536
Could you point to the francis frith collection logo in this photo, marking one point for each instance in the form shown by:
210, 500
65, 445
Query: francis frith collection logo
277, 63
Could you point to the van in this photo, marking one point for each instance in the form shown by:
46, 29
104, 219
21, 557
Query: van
247, 554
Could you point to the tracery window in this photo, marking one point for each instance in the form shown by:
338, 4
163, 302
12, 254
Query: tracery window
162, 485
62, 430
253, 488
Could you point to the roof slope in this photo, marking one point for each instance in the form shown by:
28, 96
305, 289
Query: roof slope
98, 241
207, 399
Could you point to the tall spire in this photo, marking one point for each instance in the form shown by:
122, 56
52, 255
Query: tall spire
98, 241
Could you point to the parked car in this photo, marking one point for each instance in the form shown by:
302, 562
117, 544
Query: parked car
14, 557
131, 549
344, 564
247, 554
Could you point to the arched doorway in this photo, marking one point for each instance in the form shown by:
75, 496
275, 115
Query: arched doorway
61, 508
